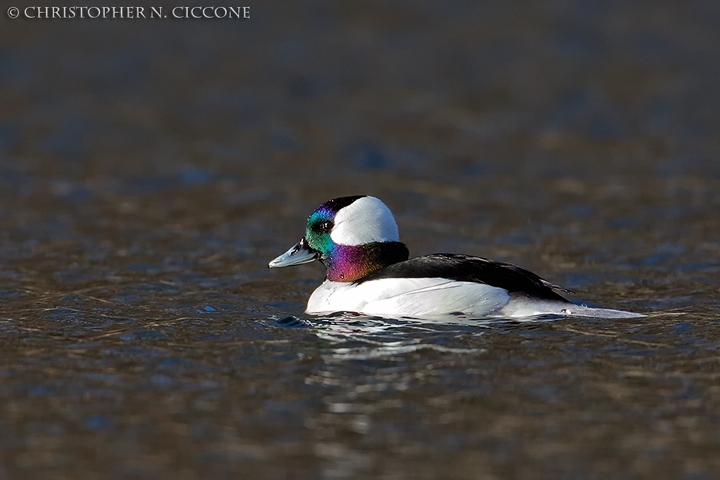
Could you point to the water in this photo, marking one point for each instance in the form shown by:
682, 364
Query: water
150, 170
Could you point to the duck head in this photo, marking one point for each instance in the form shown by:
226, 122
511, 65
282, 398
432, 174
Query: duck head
352, 236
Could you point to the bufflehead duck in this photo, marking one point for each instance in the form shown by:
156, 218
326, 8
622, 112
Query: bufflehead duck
368, 272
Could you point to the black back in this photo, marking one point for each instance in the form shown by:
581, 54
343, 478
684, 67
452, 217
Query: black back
464, 268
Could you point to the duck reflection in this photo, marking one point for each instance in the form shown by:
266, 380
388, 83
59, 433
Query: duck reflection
378, 377
359, 337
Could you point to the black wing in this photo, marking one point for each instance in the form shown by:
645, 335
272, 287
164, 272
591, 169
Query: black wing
465, 268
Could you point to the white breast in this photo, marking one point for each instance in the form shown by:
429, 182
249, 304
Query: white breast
408, 297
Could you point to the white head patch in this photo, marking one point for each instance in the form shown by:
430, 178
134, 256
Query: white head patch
365, 220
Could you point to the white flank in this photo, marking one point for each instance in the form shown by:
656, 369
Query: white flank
407, 297
365, 220
428, 298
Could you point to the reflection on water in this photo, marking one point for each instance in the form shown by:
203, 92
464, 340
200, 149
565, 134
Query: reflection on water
374, 350
365, 338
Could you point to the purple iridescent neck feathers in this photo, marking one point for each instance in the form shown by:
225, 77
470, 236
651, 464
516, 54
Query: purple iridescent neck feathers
349, 263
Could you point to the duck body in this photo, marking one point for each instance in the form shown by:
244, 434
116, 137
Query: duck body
410, 297
368, 272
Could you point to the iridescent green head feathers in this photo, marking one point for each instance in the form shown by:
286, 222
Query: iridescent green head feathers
353, 237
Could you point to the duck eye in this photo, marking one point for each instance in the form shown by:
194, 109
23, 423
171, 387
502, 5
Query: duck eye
326, 226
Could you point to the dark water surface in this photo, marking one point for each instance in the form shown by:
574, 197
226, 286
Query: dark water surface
149, 170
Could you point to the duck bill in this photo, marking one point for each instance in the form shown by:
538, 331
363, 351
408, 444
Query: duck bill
300, 253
